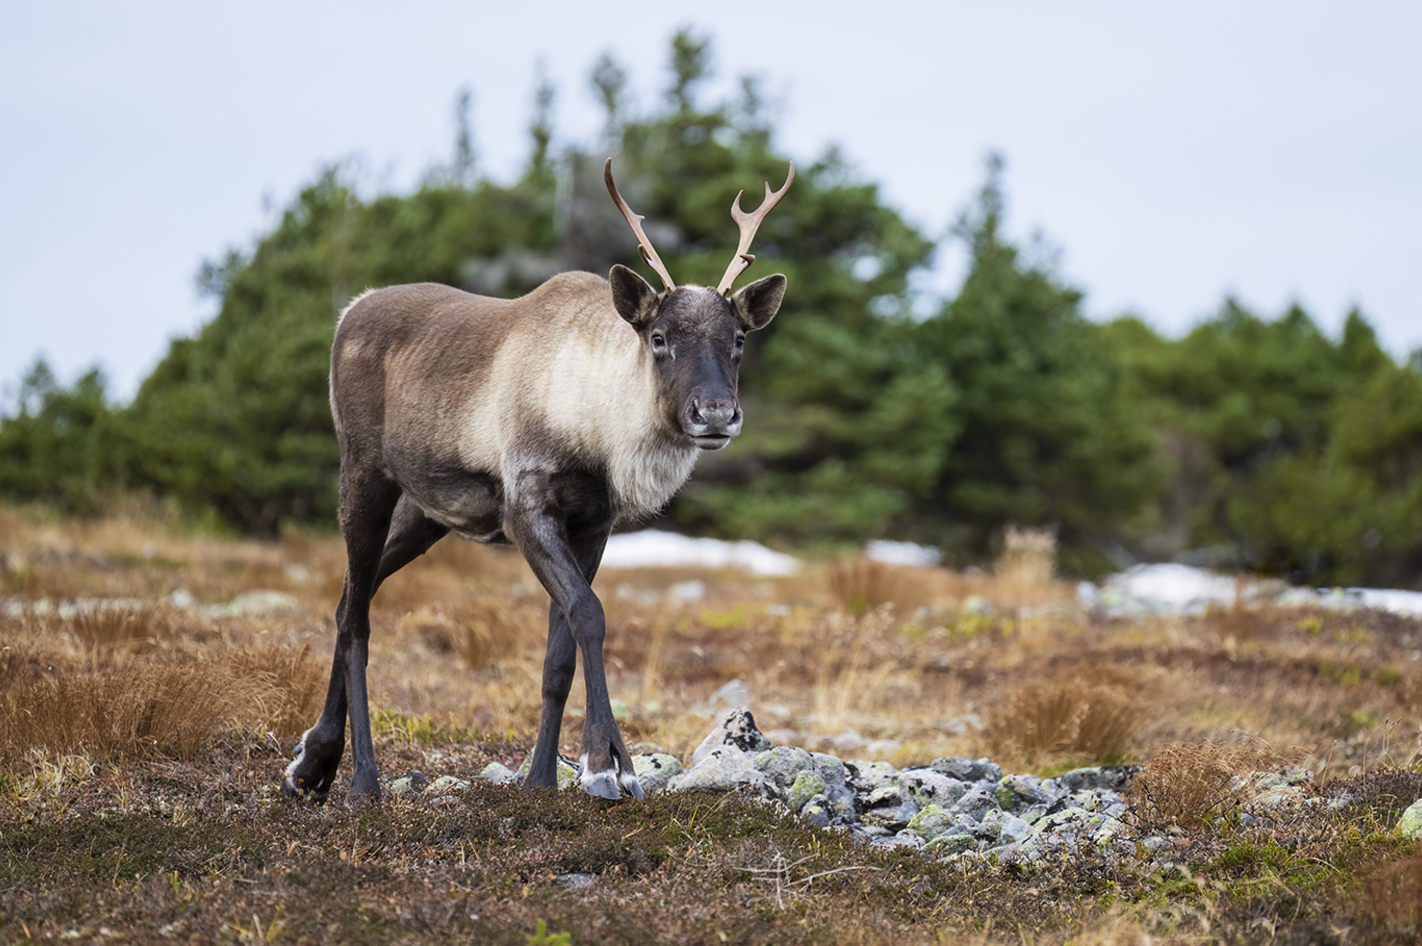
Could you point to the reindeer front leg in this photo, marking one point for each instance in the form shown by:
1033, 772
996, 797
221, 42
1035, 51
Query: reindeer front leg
566, 565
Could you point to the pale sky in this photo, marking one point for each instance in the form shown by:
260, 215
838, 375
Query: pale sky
1173, 153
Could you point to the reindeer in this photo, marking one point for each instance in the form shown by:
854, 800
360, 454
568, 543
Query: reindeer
538, 422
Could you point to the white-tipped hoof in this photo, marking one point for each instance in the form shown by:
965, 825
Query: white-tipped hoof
630, 785
601, 784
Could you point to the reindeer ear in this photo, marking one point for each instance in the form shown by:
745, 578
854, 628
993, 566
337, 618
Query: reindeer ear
756, 304
632, 296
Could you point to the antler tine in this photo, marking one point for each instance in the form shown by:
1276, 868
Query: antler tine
749, 223
643, 244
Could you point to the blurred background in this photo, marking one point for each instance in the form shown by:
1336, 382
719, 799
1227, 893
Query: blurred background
1138, 278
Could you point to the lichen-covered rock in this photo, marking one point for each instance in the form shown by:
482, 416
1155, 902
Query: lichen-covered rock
818, 811
499, 774
1113, 778
411, 783
737, 729
928, 786
1020, 792
444, 785
948, 844
807, 785
968, 770
720, 769
932, 821
655, 770
865, 777
977, 803
831, 769
886, 807
1411, 822
783, 764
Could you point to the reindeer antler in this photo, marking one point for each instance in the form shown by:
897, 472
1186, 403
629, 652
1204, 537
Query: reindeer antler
749, 223
643, 244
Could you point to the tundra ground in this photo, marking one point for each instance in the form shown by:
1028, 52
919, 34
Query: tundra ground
143, 742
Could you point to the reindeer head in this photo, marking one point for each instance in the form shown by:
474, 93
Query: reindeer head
695, 335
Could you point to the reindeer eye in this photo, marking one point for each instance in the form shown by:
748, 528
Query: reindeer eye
740, 342
659, 342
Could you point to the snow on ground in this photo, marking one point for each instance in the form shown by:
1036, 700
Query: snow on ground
652, 548
903, 553
1183, 589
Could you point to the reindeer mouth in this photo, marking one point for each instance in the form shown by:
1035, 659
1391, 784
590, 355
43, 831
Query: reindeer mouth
711, 441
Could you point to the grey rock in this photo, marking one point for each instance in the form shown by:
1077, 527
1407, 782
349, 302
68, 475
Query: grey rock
968, 770
574, 881
865, 777
736, 728
928, 786
886, 807
444, 785
1111, 777
946, 844
655, 770
931, 822
720, 769
818, 811
499, 774
977, 803
411, 783
783, 764
1410, 823
807, 785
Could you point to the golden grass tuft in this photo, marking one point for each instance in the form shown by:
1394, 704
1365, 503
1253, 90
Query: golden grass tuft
161, 709
1024, 567
482, 631
1190, 785
1075, 721
1388, 900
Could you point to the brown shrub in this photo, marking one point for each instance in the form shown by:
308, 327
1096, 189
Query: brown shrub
1191, 784
166, 709
860, 585
1024, 568
1388, 901
1076, 720
127, 626
481, 632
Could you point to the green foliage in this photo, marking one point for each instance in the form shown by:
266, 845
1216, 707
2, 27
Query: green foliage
1265, 442
56, 447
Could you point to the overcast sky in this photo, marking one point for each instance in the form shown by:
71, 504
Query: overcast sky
1174, 153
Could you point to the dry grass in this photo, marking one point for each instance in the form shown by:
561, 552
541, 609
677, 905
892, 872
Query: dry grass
1192, 784
1045, 724
133, 734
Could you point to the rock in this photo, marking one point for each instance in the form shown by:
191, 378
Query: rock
929, 786
807, 785
783, 764
1111, 777
932, 822
736, 728
886, 807
444, 785
818, 811
1411, 822
574, 881
499, 774
976, 804
864, 777
720, 769
655, 770
968, 770
1021, 792
411, 783
946, 844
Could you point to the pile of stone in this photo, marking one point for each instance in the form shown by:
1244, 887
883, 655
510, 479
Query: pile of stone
952, 807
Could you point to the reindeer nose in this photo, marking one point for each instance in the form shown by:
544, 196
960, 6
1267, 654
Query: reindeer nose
713, 417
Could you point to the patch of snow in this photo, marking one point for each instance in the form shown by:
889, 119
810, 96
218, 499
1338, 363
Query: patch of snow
652, 548
903, 553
